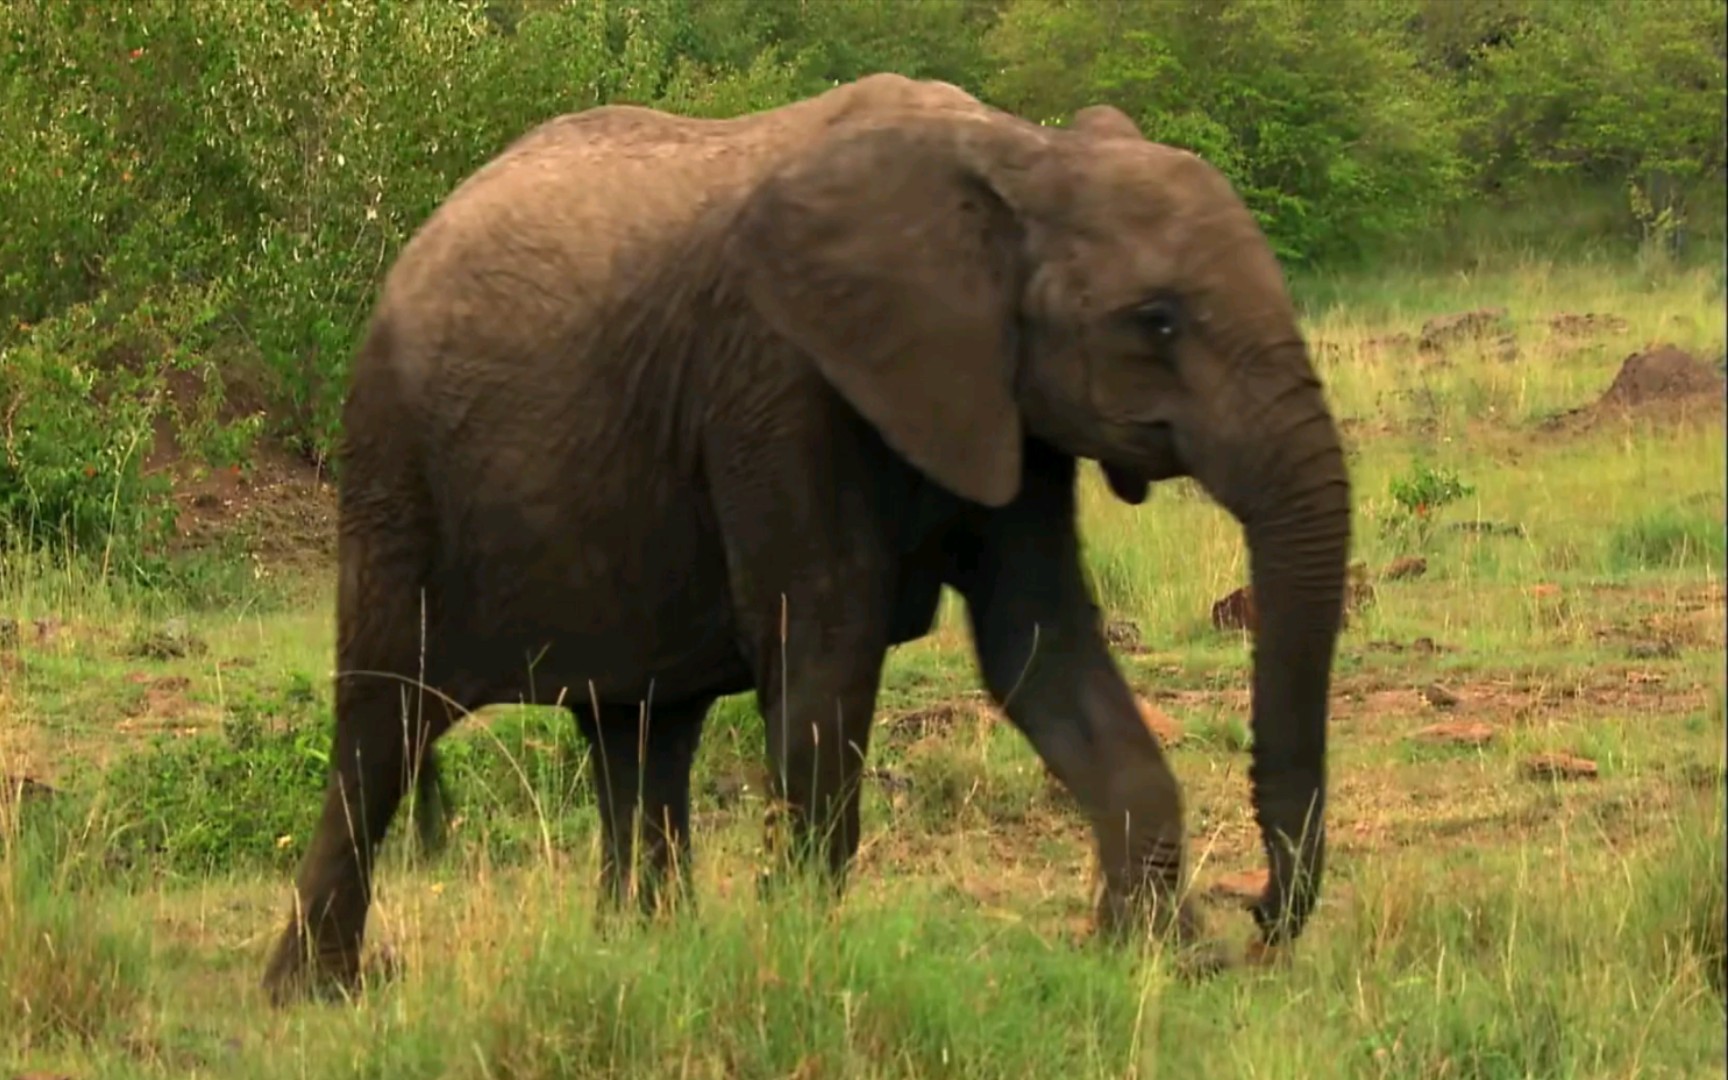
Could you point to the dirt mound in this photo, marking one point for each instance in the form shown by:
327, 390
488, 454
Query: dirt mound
1662, 374
1664, 382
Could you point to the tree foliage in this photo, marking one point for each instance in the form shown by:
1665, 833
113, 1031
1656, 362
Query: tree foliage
217, 186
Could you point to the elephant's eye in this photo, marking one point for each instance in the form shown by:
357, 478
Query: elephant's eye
1160, 321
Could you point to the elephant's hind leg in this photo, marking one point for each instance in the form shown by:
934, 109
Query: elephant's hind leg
386, 722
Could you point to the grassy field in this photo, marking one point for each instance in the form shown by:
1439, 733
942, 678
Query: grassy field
1479, 920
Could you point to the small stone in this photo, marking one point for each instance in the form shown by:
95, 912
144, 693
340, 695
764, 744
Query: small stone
1560, 767
1439, 697
890, 780
1652, 650
24, 789
1123, 635
1455, 733
1236, 611
1246, 886
1410, 566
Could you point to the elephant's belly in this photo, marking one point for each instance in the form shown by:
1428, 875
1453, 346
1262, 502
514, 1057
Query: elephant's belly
616, 606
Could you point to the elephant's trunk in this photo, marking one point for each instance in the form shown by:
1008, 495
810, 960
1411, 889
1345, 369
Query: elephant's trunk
1292, 493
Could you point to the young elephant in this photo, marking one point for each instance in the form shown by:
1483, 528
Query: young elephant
655, 410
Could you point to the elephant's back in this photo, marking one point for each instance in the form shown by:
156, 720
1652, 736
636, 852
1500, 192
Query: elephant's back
536, 240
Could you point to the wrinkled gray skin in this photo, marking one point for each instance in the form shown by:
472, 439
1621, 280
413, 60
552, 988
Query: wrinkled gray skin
658, 409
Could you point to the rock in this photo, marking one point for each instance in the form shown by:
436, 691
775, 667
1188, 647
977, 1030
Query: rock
1439, 697
1245, 887
892, 782
1164, 727
1236, 611
1444, 330
1652, 650
1410, 566
1123, 635
1358, 590
1506, 348
1560, 767
171, 641
1455, 733
24, 789
1488, 528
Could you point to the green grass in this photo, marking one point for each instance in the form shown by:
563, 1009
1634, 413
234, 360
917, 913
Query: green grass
1477, 923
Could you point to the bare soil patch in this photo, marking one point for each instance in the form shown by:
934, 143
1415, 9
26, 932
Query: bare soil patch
280, 508
1586, 324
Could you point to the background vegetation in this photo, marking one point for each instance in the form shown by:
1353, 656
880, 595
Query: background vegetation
199, 198
212, 189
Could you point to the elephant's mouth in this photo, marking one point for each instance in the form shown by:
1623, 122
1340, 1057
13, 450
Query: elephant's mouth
1154, 459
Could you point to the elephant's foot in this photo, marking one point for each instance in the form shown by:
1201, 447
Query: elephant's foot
299, 971
1158, 917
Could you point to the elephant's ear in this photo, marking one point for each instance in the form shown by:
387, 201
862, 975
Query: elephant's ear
888, 256
1105, 122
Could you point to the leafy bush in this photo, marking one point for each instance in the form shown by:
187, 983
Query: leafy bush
1289, 98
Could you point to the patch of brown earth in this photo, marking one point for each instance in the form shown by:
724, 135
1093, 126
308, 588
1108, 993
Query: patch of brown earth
1455, 733
1588, 324
165, 706
939, 718
279, 508
1467, 328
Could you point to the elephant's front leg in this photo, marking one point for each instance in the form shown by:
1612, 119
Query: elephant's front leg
810, 552
1045, 661
640, 761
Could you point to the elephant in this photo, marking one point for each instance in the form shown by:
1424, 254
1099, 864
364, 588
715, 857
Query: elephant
655, 409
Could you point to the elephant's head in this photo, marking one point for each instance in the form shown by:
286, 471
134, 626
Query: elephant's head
967, 280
